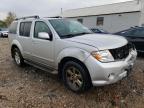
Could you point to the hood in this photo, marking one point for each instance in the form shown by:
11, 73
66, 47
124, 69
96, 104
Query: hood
100, 41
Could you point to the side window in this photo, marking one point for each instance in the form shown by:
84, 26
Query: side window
13, 28
25, 28
41, 27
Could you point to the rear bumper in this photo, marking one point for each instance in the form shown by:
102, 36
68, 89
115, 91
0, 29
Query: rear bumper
109, 73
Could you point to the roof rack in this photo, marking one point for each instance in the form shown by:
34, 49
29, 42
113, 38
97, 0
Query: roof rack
36, 17
54, 17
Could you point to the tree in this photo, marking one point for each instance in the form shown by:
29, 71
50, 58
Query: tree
2, 24
10, 18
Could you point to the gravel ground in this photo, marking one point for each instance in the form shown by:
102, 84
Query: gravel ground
29, 87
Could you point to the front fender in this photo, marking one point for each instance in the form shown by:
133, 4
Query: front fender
77, 53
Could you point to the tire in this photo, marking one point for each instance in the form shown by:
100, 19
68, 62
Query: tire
76, 77
18, 57
2, 35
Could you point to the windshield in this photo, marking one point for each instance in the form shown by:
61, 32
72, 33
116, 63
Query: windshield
4, 29
68, 28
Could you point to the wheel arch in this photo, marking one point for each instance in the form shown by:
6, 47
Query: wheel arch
76, 53
66, 59
16, 44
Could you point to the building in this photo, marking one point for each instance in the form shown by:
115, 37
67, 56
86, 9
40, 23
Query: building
112, 17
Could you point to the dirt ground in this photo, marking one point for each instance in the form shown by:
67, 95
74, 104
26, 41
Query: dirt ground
29, 87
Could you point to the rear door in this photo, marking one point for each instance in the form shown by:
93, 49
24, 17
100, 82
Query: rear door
25, 39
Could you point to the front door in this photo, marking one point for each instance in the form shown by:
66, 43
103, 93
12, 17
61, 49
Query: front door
43, 50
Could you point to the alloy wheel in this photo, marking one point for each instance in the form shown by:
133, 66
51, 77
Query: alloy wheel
17, 58
74, 78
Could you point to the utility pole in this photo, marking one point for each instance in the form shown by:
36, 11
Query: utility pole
142, 12
61, 12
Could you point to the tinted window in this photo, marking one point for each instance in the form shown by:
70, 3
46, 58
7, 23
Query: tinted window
41, 27
25, 28
13, 28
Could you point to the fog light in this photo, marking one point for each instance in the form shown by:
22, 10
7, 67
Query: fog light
111, 76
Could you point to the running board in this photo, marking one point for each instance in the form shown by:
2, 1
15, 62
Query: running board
52, 71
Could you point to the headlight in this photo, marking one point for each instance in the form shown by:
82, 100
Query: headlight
103, 56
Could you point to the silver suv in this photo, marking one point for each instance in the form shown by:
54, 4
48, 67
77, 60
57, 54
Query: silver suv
67, 48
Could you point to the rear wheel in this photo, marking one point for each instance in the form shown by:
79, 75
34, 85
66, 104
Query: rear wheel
76, 77
18, 57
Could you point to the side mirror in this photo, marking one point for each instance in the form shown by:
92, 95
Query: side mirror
43, 35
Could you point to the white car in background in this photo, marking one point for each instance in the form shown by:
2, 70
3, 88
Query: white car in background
3, 32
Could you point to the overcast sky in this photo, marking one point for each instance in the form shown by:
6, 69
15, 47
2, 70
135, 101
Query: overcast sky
46, 7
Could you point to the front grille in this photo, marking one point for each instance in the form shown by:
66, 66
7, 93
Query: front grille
122, 52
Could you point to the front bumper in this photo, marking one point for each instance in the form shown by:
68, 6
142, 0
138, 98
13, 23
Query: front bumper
109, 73
4, 34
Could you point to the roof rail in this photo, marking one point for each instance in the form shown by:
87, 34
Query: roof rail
54, 17
36, 17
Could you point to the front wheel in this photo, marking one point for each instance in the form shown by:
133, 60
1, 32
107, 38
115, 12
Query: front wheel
18, 57
76, 77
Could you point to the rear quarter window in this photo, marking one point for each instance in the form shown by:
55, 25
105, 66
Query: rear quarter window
13, 28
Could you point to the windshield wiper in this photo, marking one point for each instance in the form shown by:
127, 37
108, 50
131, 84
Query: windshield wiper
73, 35
68, 36
83, 33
